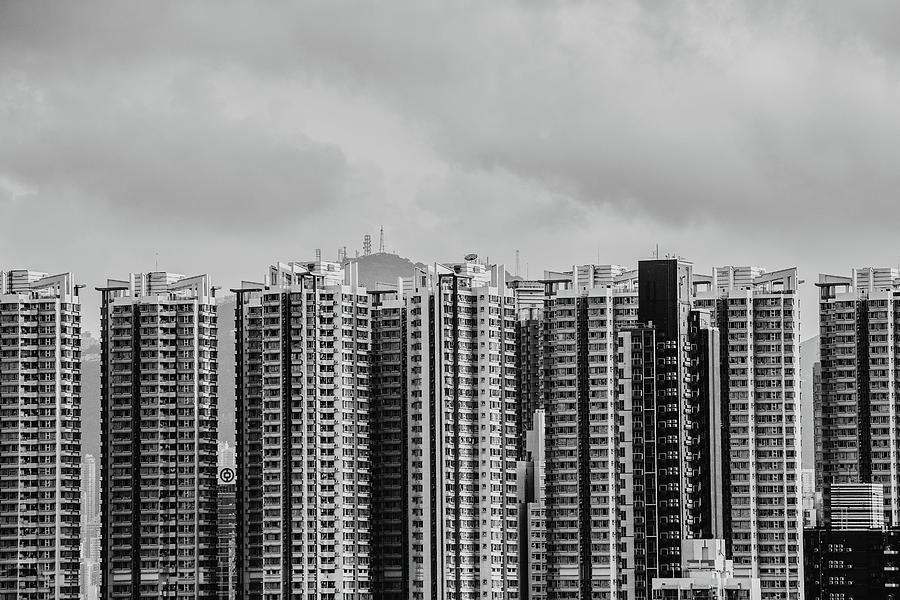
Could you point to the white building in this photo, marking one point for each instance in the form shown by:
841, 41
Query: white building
582, 484
462, 435
40, 435
854, 506
303, 497
90, 529
758, 314
706, 573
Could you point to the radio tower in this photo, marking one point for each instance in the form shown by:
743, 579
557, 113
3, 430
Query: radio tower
381, 244
367, 245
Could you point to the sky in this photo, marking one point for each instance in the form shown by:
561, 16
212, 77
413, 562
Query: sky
218, 137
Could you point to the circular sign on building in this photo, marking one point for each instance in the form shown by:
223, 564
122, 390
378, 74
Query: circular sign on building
226, 475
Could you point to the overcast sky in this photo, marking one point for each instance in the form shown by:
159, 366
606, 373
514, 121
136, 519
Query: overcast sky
222, 136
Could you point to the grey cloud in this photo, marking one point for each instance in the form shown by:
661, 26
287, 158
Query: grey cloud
180, 167
712, 113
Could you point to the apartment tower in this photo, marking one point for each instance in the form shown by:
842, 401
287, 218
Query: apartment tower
40, 435
532, 513
582, 485
462, 434
634, 465
158, 437
302, 380
90, 528
389, 446
857, 403
757, 314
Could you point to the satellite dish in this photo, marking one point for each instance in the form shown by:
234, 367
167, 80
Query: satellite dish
471, 256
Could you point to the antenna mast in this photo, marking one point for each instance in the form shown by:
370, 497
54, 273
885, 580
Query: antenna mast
381, 244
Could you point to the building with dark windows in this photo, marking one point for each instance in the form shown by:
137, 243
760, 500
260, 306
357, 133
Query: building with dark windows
227, 542
645, 382
40, 436
159, 369
676, 423
853, 556
389, 447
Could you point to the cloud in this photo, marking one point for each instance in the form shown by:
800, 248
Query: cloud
153, 164
764, 126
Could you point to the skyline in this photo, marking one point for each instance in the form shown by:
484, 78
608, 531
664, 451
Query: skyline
221, 139
807, 289
430, 300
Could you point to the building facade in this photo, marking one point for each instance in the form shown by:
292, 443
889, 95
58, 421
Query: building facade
462, 434
227, 539
158, 437
302, 380
40, 435
757, 314
389, 447
90, 529
857, 403
853, 555
582, 483
707, 573
532, 513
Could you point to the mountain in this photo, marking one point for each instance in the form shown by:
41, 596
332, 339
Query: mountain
809, 355
381, 268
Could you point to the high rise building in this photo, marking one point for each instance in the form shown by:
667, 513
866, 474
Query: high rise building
818, 474
226, 521
532, 514
676, 424
227, 458
758, 316
90, 529
90, 491
302, 380
40, 435
531, 337
858, 399
389, 447
643, 376
227, 542
462, 434
158, 437
810, 505
633, 442
582, 477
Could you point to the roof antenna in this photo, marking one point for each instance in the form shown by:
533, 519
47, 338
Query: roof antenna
517, 263
381, 245
157, 261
